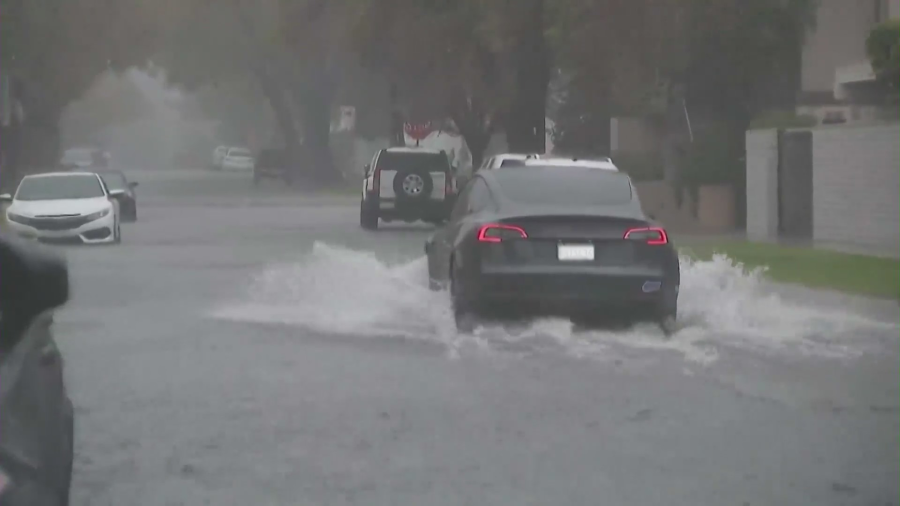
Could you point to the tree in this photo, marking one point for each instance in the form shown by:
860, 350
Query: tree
113, 100
56, 48
883, 48
445, 58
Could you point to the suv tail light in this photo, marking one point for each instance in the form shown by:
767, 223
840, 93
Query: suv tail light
496, 233
376, 179
654, 236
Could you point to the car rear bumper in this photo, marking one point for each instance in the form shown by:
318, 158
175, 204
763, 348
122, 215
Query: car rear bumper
405, 209
96, 232
554, 291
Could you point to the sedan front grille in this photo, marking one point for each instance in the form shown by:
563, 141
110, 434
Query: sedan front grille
56, 223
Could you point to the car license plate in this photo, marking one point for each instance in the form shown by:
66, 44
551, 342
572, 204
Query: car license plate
575, 252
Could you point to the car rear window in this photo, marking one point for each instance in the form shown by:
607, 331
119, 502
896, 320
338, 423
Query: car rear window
576, 187
512, 162
412, 161
239, 152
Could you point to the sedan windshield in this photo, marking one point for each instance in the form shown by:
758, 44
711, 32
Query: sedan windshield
85, 186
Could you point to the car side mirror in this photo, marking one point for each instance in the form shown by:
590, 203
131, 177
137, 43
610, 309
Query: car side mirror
5, 197
33, 282
132, 184
366, 169
117, 193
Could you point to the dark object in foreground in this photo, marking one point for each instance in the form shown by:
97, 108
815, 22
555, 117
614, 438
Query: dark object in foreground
36, 415
533, 241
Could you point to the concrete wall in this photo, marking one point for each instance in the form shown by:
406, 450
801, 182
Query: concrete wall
855, 187
762, 185
856, 182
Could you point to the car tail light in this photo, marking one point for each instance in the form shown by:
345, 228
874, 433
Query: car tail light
376, 179
654, 236
448, 186
496, 233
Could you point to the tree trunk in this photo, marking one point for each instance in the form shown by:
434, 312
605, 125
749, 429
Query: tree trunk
526, 120
283, 116
316, 121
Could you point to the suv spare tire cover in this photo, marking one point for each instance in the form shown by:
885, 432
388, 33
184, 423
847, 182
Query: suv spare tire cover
413, 184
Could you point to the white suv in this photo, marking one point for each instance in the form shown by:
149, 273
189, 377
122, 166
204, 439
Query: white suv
407, 184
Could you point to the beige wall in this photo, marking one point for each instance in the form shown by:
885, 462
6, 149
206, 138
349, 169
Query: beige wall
838, 39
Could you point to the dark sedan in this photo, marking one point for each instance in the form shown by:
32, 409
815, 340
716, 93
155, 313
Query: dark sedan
116, 180
36, 415
536, 241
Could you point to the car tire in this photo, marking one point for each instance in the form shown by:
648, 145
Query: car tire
406, 181
66, 491
464, 316
368, 218
666, 314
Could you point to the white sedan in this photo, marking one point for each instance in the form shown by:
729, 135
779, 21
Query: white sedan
65, 207
238, 159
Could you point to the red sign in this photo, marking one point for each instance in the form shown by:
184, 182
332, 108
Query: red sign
418, 131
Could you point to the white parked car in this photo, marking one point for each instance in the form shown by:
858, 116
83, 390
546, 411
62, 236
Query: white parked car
218, 156
65, 207
504, 160
238, 159
604, 162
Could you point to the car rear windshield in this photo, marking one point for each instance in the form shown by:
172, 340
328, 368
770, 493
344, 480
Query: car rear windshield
575, 187
240, 152
413, 161
60, 187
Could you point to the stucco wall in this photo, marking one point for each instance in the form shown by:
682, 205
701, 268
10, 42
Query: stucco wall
762, 185
856, 182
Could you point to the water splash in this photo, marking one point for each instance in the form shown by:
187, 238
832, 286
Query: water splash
340, 291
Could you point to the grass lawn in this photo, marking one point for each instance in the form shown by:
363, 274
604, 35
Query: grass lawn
859, 274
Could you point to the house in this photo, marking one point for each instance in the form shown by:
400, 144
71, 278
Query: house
837, 84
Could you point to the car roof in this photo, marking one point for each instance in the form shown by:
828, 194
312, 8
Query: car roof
60, 174
605, 163
413, 150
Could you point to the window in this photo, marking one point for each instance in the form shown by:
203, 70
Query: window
392, 160
578, 187
60, 187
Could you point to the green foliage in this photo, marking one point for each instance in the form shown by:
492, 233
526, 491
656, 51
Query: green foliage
715, 157
782, 119
640, 166
883, 48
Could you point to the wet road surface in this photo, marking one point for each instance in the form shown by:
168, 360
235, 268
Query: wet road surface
220, 356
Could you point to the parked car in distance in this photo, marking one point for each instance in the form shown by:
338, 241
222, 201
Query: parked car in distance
37, 419
67, 207
238, 159
274, 163
84, 158
218, 155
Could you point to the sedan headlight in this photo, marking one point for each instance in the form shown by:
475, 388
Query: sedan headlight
98, 215
17, 218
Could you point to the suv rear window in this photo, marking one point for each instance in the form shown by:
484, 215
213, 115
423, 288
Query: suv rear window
431, 162
575, 187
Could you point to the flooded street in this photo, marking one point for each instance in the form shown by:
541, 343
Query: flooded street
252, 346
